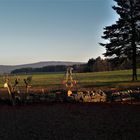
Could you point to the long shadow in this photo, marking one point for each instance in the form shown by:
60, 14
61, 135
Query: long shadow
110, 83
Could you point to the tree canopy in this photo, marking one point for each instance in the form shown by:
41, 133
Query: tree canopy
124, 36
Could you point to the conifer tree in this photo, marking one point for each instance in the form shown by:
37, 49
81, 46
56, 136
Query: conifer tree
124, 36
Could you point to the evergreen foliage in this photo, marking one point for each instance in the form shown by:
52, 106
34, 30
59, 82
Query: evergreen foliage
124, 36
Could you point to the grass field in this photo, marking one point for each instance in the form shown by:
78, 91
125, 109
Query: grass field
111, 79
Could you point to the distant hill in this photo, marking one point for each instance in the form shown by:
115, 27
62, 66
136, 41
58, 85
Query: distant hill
9, 68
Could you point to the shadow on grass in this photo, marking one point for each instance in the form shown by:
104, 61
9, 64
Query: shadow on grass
113, 84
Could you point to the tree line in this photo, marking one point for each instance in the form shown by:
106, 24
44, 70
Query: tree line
93, 65
107, 64
58, 68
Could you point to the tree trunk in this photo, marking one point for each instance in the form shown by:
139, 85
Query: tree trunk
134, 54
133, 43
134, 64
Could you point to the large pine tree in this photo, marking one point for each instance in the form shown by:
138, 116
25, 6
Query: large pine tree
123, 36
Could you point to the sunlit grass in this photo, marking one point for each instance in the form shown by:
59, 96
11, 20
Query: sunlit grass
96, 79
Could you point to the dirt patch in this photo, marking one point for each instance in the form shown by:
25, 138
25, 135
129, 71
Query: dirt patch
67, 121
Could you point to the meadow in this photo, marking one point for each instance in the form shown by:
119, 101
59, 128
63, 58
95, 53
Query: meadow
103, 80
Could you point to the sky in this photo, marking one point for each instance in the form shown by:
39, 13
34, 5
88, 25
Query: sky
53, 30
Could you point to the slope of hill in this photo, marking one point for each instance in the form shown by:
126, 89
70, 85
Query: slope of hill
9, 68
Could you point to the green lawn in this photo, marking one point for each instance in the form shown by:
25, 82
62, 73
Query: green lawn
95, 79
109, 79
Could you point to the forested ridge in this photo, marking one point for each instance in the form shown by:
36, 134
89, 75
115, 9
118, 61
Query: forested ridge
93, 65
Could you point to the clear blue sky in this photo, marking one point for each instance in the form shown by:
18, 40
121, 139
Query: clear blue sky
48, 30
